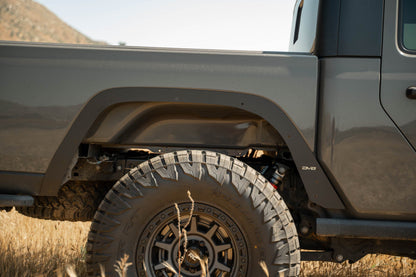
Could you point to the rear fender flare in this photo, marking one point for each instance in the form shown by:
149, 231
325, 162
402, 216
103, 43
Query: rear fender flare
317, 185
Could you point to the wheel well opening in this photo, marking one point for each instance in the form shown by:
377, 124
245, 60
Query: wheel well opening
127, 134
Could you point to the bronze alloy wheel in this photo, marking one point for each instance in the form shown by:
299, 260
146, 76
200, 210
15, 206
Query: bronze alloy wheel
211, 234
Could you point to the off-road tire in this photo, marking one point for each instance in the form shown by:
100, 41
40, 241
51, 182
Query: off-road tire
145, 196
75, 202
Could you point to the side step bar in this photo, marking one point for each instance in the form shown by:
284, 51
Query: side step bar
366, 229
9, 200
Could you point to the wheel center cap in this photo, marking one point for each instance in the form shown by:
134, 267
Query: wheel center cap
190, 258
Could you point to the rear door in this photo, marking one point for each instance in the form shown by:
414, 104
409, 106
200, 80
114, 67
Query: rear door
398, 83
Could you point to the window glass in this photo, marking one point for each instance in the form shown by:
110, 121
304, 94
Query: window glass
304, 26
408, 24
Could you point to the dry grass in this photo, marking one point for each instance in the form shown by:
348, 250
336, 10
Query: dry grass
33, 247
370, 265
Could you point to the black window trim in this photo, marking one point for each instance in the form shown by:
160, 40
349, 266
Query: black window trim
400, 37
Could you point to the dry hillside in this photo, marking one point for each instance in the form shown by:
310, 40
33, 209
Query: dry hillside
27, 20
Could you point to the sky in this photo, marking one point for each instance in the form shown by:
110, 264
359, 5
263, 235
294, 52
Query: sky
210, 24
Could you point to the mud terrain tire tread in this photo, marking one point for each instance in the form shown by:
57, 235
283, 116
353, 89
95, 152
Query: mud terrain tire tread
195, 163
75, 202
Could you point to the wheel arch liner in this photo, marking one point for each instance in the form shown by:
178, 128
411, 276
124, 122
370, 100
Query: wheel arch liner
316, 183
182, 125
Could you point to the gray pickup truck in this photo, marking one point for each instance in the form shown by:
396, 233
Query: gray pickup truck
303, 155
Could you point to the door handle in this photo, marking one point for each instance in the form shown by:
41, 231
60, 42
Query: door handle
411, 92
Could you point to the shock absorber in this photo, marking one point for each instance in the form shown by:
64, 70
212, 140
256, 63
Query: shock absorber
278, 174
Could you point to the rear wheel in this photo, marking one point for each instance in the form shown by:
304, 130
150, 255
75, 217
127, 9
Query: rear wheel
237, 221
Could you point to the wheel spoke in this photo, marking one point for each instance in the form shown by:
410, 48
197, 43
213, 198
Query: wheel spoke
212, 231
174, 229
164, 245
220, 266
160, 266
193, 225
222, 247
164, 265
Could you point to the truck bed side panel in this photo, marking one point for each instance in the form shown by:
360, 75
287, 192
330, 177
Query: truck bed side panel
42, 88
